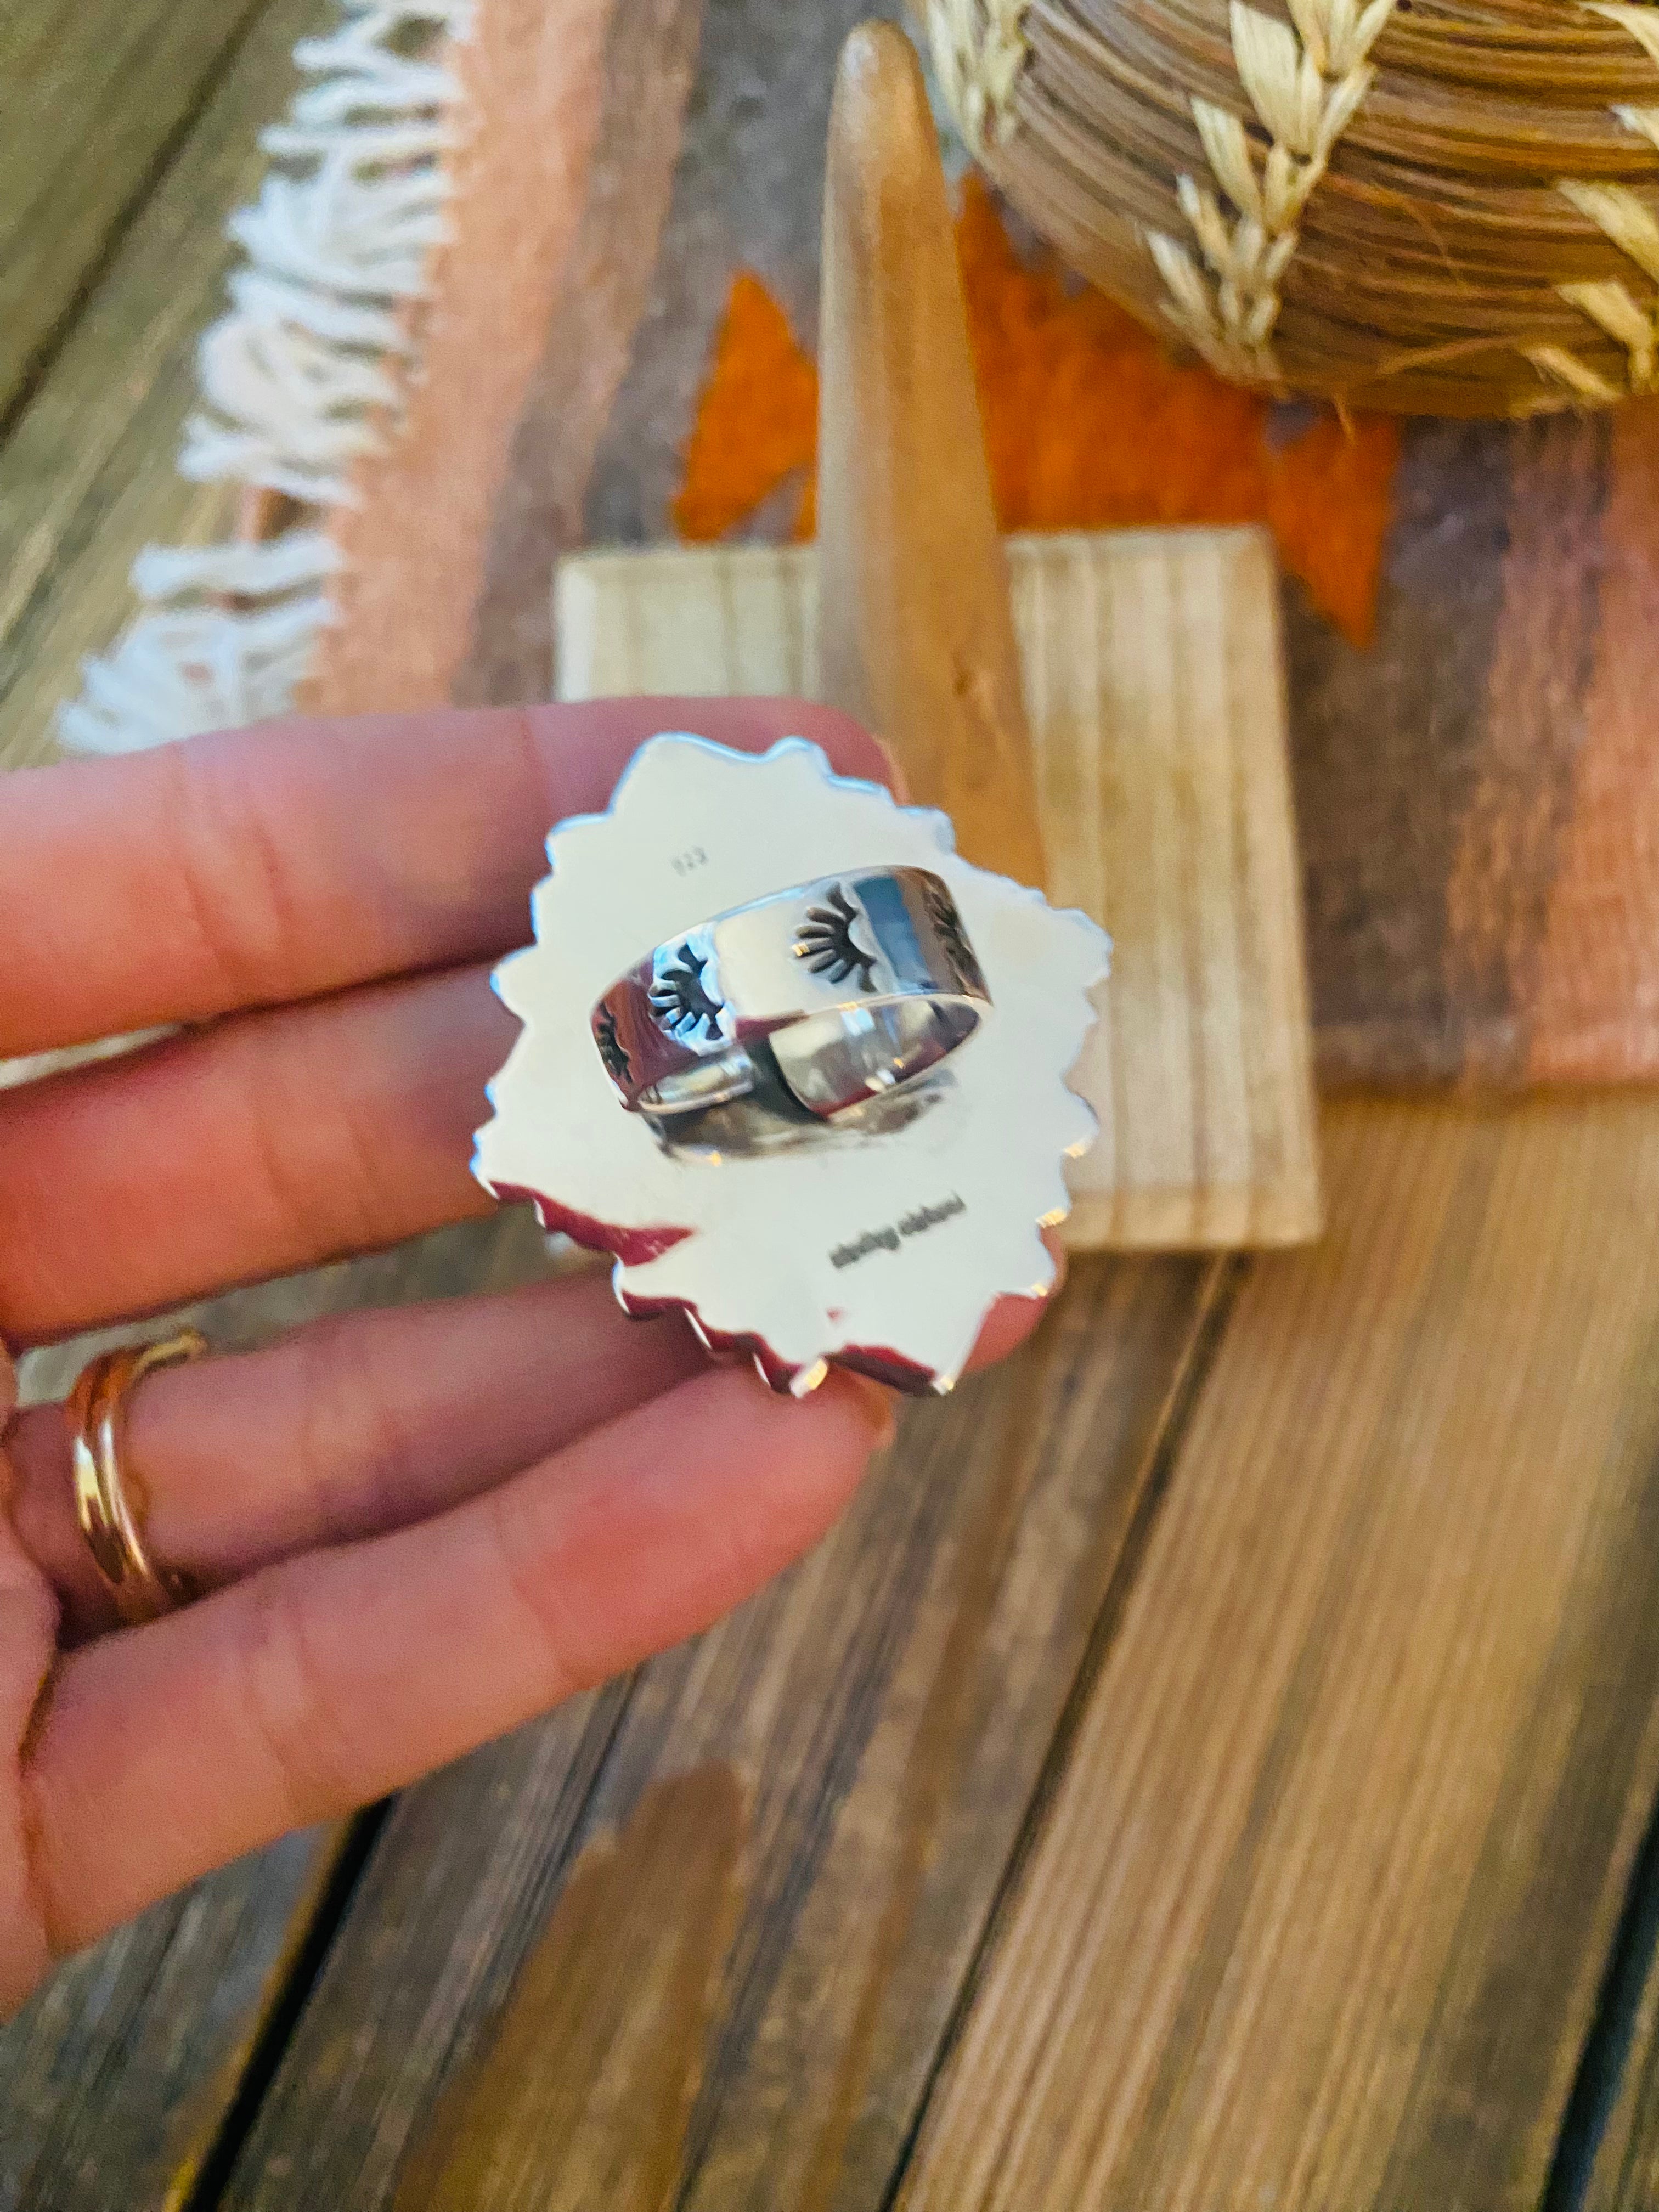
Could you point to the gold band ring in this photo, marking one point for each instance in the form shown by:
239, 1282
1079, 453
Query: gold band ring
110, 1514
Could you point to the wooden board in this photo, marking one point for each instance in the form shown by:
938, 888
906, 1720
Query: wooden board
1204, 1769
116, 2079
1317, 1911
1613, 2161
816, 1801
1157, 709
87, 475
96, 99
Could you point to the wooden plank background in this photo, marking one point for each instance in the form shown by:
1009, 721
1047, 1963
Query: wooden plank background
1205, 1767
96, 100
86, 474
116, 2081
1613, 2162
1316, 1914
782, 1920
860, 1744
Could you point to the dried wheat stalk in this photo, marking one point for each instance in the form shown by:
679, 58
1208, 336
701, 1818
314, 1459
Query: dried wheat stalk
1443, 205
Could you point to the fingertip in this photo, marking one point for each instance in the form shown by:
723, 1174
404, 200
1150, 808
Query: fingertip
806, 1458
852, 749
1012, 1319
589, 744
873, 1401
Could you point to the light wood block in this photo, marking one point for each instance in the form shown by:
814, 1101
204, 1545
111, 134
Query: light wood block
1155, 697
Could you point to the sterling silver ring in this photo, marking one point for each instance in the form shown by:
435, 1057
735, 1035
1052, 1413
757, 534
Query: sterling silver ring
824, 996
877, 1238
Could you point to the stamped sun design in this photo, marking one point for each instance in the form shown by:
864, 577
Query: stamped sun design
612, 1051
826, 946
952, 937
681, 1001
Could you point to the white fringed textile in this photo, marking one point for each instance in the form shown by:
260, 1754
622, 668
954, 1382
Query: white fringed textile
294, 379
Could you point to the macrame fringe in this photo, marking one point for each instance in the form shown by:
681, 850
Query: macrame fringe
298, 379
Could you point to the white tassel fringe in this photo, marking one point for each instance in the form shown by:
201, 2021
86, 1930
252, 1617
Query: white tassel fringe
293, 380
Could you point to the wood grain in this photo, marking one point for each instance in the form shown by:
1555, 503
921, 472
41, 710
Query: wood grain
1616, 2169
94, 102
915, 635
1154, 695
115, 2078
1317, 1911
885, 1708
622, 1983
87, 476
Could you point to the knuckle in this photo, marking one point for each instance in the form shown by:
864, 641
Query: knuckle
529, 1560
233, 885
298, 1146
287, 1699
352, 1449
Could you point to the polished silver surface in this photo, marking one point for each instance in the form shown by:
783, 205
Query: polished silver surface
832, 993
838, 1180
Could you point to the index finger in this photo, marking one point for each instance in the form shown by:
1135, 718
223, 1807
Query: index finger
259, 865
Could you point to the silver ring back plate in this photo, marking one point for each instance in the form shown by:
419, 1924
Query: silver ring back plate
784, 1222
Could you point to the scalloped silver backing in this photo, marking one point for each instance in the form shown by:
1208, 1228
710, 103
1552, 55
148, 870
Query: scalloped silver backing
885, 1242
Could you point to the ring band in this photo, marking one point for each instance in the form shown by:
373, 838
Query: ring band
850, 986
111, 1519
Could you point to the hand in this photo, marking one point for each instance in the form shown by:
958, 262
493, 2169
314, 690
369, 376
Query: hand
418, 1528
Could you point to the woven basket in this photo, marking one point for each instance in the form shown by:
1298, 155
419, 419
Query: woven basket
1430, 205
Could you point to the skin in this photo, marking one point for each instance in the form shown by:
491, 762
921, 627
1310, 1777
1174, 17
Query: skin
417, 1529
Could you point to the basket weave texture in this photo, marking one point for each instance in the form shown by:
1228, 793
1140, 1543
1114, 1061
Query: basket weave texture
1436, 206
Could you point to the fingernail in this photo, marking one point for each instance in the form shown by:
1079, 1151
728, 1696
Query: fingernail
877, 1404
